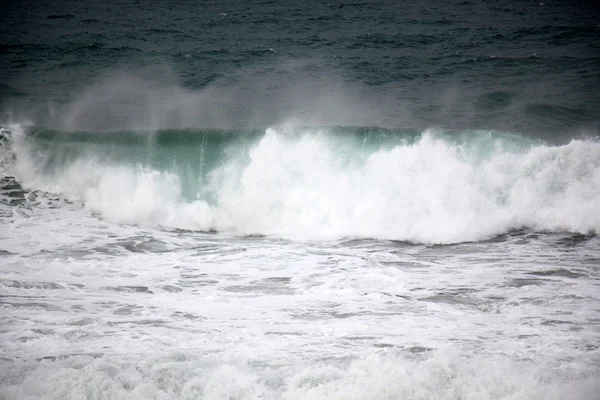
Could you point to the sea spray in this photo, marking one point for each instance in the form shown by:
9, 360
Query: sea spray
436, 186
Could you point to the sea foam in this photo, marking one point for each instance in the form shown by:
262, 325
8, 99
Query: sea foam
437, 188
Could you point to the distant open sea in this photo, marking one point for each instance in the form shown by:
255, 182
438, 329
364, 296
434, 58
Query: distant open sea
300, 200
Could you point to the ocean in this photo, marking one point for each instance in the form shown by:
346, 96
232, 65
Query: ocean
300, 200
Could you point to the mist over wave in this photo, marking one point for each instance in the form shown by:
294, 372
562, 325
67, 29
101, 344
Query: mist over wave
323, 182
151, 98
244, 199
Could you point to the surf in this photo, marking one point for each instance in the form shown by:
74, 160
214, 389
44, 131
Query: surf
321, 182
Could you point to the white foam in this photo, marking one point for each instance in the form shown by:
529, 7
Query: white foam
307, 187
442, 375
427, 192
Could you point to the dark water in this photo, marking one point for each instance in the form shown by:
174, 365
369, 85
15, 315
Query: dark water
520, 65
299, 200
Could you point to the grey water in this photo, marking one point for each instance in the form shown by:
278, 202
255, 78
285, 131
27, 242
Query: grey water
314, 200
519, 65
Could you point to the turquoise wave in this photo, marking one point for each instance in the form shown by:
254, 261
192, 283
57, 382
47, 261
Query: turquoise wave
434, 186
193, 154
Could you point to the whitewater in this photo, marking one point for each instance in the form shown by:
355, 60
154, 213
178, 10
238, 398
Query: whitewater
322, 183
347, 200
298, 263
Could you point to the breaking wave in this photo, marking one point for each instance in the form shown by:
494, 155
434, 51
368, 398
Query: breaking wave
435, 186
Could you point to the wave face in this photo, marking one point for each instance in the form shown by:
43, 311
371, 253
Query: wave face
436, 186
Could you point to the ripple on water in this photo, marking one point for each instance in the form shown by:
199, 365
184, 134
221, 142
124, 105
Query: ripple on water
268, 286
128, 289
559, 272
521, 282
31, 285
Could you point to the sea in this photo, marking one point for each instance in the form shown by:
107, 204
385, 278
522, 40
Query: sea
334, 199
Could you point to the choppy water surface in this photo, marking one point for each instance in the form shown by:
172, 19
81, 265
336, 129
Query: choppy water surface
166, 314
321, 200
93, 308
518, 65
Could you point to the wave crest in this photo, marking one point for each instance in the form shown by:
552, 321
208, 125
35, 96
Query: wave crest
327, 183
